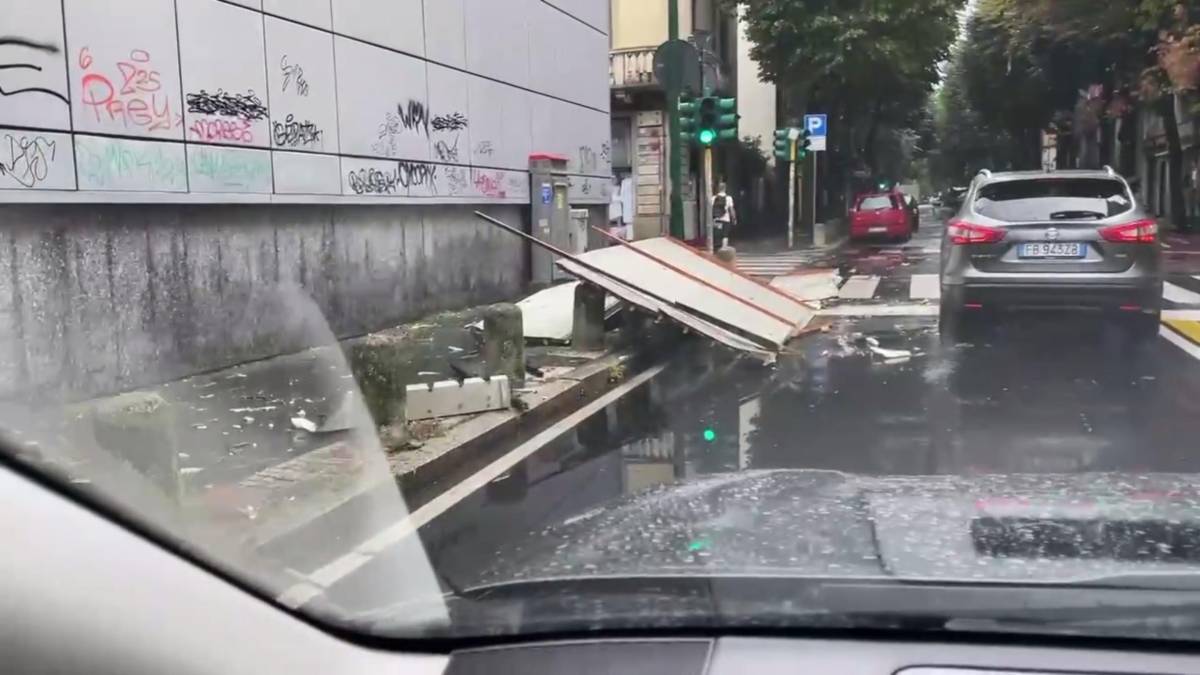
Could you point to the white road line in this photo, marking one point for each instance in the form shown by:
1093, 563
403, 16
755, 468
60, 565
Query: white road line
1181, 314
924, 287
1179, 294
350, 562
866, 311
1180, 341
859, 288
1196, 277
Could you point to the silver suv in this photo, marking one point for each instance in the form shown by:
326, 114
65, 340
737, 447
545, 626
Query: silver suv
1058, 241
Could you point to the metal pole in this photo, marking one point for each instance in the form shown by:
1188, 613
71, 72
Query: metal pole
706, 197
674, 147
814, 194
791, 222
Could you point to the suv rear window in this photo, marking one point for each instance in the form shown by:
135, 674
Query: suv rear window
876, 202
1053, 199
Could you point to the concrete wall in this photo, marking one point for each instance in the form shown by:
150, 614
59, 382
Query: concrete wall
102, 298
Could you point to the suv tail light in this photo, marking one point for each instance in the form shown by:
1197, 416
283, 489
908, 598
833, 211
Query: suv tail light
962, 232
1137, 232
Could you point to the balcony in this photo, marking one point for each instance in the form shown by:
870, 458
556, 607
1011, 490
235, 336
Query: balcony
632, 68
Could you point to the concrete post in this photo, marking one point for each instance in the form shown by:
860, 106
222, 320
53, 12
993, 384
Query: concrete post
587, 329
139, 427
504, 342
378, 368
728, 255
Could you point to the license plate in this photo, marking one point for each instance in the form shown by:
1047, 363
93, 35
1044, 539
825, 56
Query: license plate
1053, 250
878, 229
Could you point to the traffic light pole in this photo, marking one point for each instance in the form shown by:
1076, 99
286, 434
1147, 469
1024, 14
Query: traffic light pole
674, 146
706, 198
814, 193
791, 224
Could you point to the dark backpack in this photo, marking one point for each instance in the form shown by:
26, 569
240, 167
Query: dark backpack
719, 206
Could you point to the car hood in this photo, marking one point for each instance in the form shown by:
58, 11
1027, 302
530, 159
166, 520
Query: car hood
1020, 528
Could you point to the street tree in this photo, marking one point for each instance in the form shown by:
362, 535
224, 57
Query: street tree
870, 66
1140, 50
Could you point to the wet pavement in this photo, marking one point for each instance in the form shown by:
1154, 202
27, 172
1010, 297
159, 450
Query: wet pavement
878, 395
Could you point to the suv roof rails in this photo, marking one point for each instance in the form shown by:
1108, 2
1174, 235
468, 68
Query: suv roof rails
1109, 170
986, 173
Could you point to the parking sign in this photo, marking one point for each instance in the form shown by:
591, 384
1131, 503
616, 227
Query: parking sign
816, 125
818, 129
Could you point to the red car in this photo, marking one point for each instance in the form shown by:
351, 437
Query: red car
881, 214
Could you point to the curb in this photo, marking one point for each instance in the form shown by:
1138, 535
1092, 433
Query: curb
477, 442
466, 449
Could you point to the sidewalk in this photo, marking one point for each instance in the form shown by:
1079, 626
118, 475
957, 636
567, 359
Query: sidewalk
254, 453
1181, 252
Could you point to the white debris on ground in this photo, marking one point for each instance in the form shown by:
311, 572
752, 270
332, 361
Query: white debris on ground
304, 424
810, 285
857, 343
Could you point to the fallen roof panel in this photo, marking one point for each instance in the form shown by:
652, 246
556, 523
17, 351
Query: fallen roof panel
634, 296
710, 270
701, 291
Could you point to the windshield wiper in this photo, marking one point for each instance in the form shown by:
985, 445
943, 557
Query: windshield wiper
1072, 215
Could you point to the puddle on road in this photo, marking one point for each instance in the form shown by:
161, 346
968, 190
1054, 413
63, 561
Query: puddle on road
1022, 400
873, 397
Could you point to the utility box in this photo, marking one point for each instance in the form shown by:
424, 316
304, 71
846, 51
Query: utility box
551, 212
577, 234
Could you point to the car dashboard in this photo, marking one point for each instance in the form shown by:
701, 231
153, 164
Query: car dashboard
81, 593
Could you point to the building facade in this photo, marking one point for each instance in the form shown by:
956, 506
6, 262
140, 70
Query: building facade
640, 127
171, 188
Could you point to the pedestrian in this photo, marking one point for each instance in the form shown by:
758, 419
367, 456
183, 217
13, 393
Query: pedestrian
724, 217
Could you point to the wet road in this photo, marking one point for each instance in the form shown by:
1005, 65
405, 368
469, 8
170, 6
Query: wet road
1056, 395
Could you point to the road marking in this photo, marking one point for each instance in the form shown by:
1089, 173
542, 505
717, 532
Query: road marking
1181, 314
864, 311
859, 288
1180, 341
924, 287
1179, 294
1187, 328
350, 562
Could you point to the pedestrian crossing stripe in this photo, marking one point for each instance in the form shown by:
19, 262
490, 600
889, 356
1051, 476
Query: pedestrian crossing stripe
925, 287
1179, 294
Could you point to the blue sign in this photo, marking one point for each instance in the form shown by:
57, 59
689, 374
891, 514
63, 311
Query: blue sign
547, 193
817, 125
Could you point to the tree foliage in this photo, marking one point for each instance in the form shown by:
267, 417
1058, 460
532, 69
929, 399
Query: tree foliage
869, 64
1071, 65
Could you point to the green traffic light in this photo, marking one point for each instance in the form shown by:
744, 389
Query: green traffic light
706, 136
710, 435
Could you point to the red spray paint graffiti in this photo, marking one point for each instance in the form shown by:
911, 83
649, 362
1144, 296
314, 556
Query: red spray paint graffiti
134, 97
230, 131
490, 185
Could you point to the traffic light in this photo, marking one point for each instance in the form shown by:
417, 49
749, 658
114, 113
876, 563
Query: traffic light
688, 119
783, 145
802, 145
707, 120
727, 119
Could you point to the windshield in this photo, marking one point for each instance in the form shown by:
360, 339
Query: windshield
1052, 198
875, 203
464, 318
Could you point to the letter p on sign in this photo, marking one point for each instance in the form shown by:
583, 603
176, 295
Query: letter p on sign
815, 125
